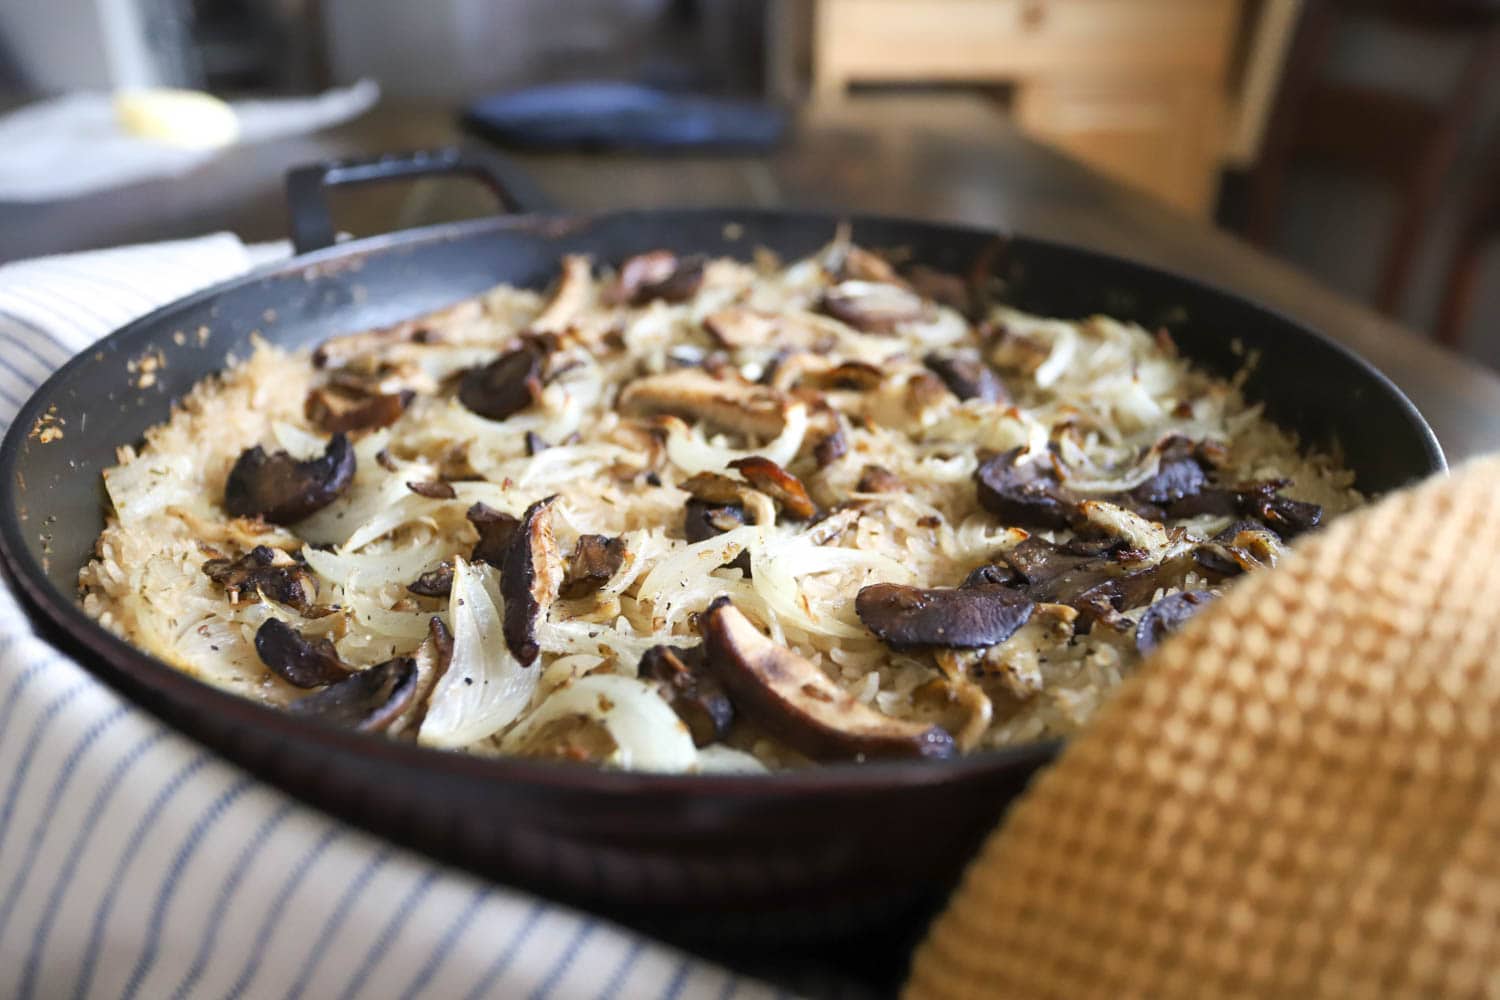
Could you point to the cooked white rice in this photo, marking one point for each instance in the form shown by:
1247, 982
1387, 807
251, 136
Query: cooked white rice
1099, 392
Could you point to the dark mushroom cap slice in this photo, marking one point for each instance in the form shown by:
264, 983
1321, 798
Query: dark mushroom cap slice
659, 274
778, 484
1028, 495
1178, 476
279, 488
268, 572
335, 408
871, 306
955, 617
436, 582
878, 479
529, 579
496, 529
832, 447
967, 376
433, 489
367, 700
1167, 616
703, 520
796, 702
595, 560
507, 385
697, 697
307, 663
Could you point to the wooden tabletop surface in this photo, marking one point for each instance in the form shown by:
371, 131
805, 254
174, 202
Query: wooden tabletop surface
942, 157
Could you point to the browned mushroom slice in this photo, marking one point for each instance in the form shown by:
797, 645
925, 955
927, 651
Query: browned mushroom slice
1167, 616
735, 327
436, 582
730, 404
433, 658
266, 572
856, 376
595, 560
706, 520
942, 287
1026, 495
496, 529
658, 274
336, 352
878, 479
831, 448
569, 296
368, 700
506, 385
871, 306
307, 663
967, 377
433, 489
714, 488
1260, 500
694, 694
956, 617
529, 578
796, 702
282, 490
1178, 475
1239, 548
778, 484
338, 408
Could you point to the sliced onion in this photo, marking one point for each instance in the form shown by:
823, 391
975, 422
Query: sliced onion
485, 687
648, 735
690, 451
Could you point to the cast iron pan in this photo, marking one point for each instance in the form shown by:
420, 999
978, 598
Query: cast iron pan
786, 855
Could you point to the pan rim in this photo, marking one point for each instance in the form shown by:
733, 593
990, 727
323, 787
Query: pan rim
62, 611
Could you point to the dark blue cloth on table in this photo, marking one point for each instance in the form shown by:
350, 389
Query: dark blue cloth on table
621, 116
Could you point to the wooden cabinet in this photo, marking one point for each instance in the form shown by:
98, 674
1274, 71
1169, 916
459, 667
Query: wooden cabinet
1135, 88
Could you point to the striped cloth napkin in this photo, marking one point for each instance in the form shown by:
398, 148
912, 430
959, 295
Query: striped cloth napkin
136, 864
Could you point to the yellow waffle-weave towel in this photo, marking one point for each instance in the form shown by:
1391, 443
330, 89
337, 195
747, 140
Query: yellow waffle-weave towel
1299, 796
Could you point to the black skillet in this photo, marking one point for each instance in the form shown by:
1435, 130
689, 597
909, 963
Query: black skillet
792, 854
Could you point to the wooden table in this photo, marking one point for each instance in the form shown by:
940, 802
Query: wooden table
940, 157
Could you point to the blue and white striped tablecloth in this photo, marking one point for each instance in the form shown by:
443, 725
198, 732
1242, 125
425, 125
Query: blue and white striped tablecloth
136, 864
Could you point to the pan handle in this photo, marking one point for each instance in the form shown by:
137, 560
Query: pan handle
311, 222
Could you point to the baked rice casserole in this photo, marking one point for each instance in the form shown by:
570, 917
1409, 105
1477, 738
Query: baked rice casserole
700, 516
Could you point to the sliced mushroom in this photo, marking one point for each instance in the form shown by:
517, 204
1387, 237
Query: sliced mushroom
337, 352
433, 657
529, 579
703, 520
335, 408
797, 703
1179, 474
433, 489
967, 376
282, 490
307, 663
658, 274
1260, 500
264, 572
956, 617
878, 479
1167, 616
871, 306
1239, 548
594, 562
856, 376
730, 404
368, 700
534, 444
496, 529
436, 582
778, 484
942, 287
694, 694
569, 296
831, 448
507, 385
715, 488
1027, 495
